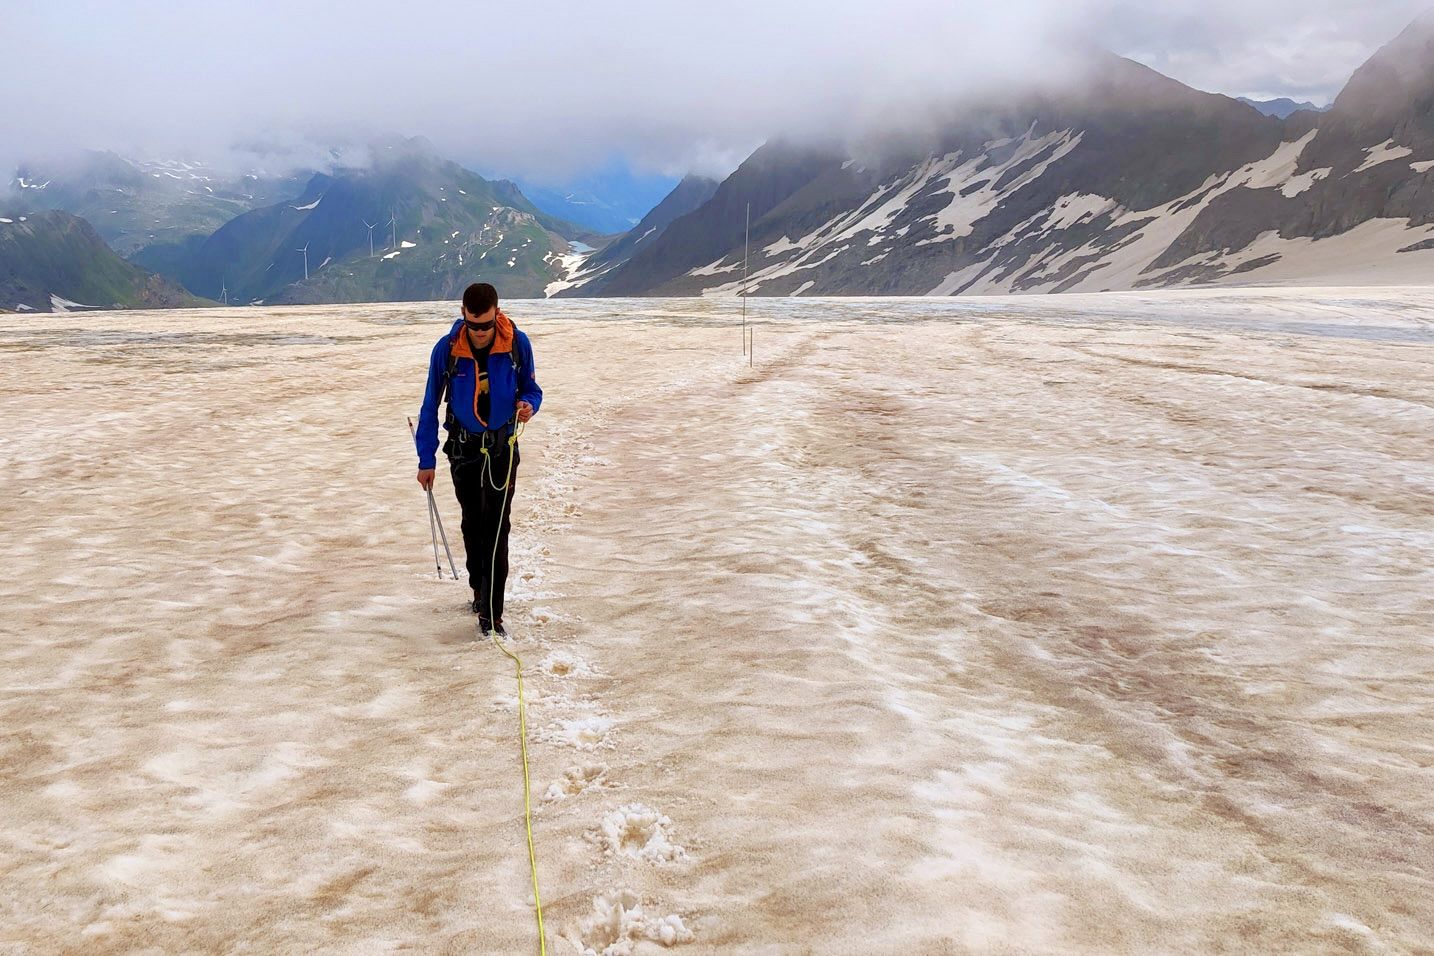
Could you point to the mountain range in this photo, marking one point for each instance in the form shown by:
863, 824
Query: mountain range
1114, 177
435, 227
135, 203
1282, 107
405, 224
1118, 178
609, 200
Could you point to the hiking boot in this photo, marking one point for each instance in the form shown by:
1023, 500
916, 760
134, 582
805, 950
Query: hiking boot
499, 629
477, 607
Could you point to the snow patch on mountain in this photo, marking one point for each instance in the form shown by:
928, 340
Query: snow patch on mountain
571, 265
63, 305
975, 185
977, 188
1383, 153
1102, 263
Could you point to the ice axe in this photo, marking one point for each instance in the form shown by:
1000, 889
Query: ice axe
435, 519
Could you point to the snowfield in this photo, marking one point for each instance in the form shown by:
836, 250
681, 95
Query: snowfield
1064, 624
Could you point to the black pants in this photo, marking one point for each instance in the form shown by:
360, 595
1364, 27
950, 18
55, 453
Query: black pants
486, 506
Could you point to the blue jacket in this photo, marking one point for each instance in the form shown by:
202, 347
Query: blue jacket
506, 387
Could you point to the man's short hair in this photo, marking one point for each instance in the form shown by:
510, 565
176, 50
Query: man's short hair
479, 298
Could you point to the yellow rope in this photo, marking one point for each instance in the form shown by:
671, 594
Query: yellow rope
522, 703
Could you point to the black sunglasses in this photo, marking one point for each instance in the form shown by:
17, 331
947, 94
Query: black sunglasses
480, 326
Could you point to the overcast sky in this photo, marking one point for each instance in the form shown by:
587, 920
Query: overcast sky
552, 88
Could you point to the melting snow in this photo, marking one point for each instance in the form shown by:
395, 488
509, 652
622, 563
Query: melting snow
637, 831
571, 265
312, 205
713, 268
405, 244
1383, 153
970, 182
618, 926
968, 204
1157, 228
60, 304
1303, 181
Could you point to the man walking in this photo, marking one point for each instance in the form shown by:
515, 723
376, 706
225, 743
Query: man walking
484, 367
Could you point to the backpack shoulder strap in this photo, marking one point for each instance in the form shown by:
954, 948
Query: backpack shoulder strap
450, 363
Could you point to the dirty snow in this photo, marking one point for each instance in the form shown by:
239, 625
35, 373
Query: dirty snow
1081, 624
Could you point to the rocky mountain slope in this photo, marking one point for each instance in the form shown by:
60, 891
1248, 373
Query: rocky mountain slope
1119, 179
53, 261
689, 194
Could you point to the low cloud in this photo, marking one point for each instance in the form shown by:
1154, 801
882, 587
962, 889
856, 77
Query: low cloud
552, 89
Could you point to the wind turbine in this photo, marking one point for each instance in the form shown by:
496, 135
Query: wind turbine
370, 236
393, 222
305, 251
224, 292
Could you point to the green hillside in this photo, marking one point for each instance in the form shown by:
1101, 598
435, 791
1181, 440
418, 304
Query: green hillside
437, 227
52, 255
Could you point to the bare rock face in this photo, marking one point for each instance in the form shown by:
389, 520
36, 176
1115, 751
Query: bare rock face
1119, 178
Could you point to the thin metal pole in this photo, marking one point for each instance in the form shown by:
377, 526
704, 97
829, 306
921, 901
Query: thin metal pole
444, 535
746, 250
433, 536
434, 516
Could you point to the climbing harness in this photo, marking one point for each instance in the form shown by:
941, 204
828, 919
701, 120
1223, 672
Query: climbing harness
518, 670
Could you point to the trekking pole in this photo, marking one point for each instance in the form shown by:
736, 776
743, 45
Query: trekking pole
434, 516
